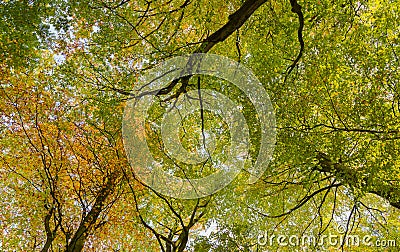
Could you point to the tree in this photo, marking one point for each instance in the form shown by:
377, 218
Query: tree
331, 70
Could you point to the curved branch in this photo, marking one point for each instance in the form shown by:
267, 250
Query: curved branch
236, 20
296, 8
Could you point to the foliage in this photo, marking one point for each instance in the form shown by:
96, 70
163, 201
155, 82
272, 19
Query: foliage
68, 68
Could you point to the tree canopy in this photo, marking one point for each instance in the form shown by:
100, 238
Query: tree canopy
69, 69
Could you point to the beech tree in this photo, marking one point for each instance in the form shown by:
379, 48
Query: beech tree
69, 69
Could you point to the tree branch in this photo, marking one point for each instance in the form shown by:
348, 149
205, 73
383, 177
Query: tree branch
236, 20
353, 179
296, 8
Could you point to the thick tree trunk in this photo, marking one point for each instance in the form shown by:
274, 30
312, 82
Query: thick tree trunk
88, 223
50, 234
